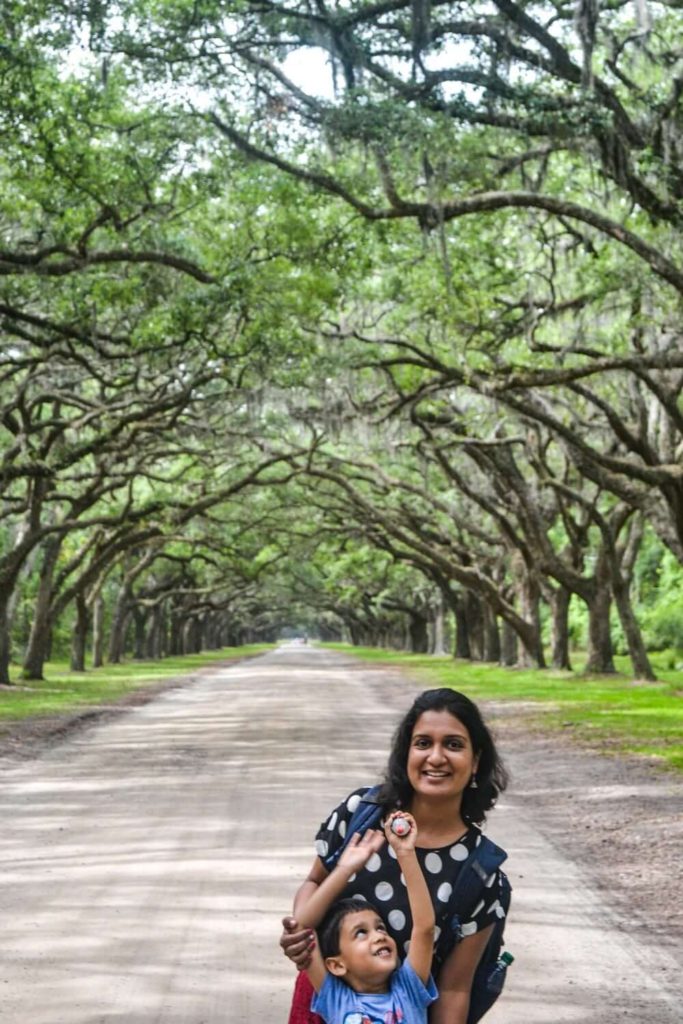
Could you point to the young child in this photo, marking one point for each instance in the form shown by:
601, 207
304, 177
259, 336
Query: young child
355, 965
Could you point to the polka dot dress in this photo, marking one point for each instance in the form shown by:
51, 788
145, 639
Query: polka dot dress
381, 883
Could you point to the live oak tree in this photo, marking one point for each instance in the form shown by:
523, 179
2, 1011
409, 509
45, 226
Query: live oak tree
564, 131
473, 240
128, 362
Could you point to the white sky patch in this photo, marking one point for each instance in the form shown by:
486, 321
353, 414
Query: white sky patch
310, 69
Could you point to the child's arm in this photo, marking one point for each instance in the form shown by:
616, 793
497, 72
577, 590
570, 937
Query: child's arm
315, 905
421, 906
355, 856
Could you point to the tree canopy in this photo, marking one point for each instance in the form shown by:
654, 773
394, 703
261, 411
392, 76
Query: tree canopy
357, 318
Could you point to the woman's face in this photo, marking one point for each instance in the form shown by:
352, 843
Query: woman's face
441, 760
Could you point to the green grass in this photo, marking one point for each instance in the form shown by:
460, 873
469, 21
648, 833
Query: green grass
64, 691
612, 713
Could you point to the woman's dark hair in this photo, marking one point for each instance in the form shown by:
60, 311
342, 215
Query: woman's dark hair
491, 776
330, 927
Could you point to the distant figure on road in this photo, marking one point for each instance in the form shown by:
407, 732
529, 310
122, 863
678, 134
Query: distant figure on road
445, 771
355, 968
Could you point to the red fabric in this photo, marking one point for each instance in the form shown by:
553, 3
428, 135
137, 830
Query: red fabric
301, 1012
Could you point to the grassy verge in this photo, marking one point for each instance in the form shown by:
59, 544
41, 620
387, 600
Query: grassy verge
613, 713
65, 691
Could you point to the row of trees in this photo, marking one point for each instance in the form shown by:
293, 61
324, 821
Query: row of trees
398, 356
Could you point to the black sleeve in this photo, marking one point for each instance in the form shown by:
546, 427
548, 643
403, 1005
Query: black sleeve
332, 832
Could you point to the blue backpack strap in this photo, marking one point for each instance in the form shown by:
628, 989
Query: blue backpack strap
481, 865
482, 862
367, 814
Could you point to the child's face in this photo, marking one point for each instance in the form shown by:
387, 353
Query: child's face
367, 953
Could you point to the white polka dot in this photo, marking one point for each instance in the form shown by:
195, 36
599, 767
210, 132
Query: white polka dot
352, 878
321, 847
374, 863
353, 802
459, 852
490, 880
496, 909
469, 929
397, 920
444, 891
406, 946
384, 891
392, 852
359, 896
333, 821
478, 841
433, 863
342, 828
403, 879
478, 907
437, 933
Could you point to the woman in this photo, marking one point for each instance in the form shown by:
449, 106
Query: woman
444, 769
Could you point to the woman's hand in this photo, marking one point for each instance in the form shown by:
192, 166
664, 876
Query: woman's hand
297, 943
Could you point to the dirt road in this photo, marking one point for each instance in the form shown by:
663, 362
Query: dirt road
146, 862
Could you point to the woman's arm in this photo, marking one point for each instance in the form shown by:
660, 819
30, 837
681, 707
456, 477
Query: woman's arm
315, 877
455, 979
297, 943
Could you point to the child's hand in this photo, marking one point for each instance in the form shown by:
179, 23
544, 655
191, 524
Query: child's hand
360, 849
401, 843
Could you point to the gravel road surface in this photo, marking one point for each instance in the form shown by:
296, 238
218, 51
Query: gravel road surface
145, 863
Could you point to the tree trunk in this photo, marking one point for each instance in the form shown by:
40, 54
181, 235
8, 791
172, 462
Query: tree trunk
439, 630
462, 636
509, 648
192, 635
139, 619
98, 632
200, 635
164, 642
175, 639
636, 648
600, 652
184, 637
80, 635
41, 626
5, 642
531, 646
153, 643
210, 632
14, 590
491, 636
559, 608
117, 638
475, 626
622, 562
419, 634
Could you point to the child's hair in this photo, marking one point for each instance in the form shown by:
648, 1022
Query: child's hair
330, 927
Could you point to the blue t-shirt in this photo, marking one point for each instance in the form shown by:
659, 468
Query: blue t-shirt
406, 1001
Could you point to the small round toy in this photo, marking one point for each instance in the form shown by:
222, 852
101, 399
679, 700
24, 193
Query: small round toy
400, 826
